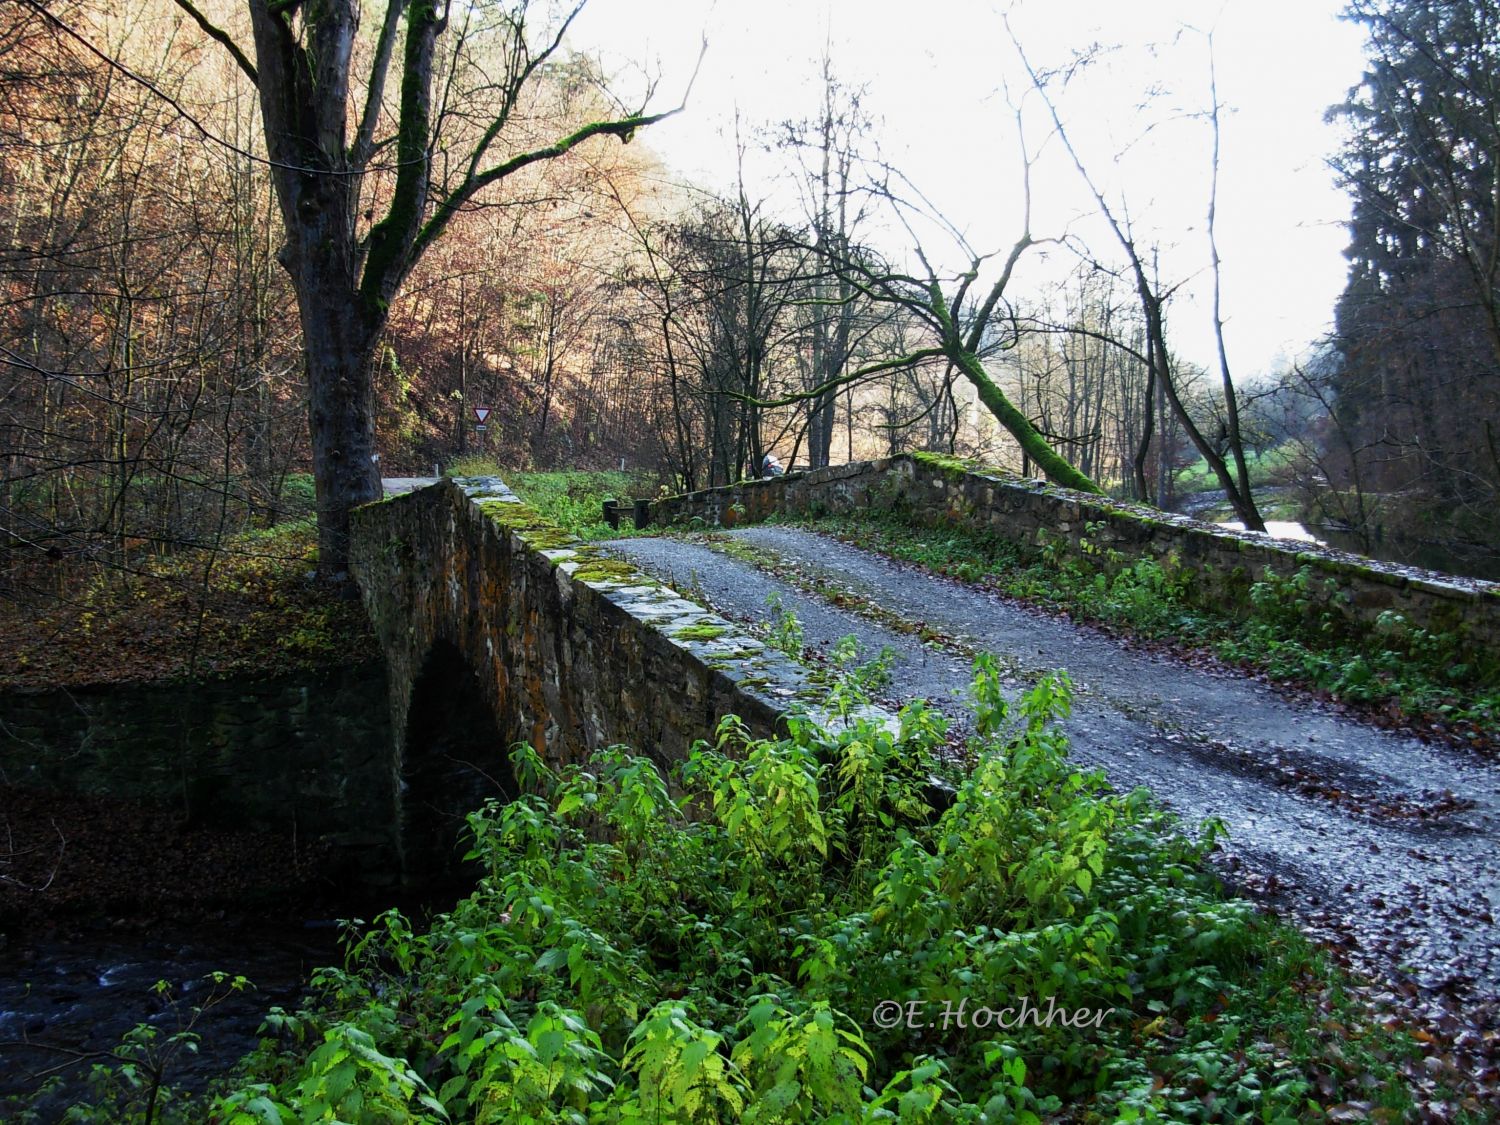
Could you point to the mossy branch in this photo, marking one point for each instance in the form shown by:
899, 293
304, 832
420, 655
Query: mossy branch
223, 38
910, 359
392, 252
624, 128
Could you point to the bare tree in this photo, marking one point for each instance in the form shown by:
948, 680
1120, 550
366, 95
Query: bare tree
1247, 509
1153, 299
144, 369
339, 153
831, 143
965, 326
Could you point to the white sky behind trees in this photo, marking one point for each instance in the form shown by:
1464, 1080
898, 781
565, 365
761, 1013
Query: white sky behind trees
936, 74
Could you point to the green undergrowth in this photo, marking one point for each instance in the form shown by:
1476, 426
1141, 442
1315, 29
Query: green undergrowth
1431, 678
787, 931
252, 607
572, 499
1271, 466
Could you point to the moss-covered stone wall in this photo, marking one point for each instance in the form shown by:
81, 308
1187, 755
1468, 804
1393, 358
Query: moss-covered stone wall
1221, 563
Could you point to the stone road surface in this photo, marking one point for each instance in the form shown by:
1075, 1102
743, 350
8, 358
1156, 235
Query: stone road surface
1379, 841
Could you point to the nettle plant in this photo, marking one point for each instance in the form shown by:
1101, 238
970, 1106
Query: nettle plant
720, 944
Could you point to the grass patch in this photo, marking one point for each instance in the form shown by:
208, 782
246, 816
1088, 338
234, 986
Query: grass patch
788, 932
573, 499
1272, 503
1266, 468
1433, 679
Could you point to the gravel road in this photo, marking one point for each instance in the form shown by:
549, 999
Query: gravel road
1378, 842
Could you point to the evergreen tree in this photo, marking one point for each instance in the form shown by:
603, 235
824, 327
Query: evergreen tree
1419, 320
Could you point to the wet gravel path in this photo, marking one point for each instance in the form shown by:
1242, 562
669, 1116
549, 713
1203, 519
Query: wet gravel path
1380, 843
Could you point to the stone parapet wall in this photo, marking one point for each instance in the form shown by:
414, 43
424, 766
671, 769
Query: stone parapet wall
297, 756
1221, 564
572, 650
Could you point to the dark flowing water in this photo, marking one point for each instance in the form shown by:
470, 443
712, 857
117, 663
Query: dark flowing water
102, 896
1469, 561
68, 998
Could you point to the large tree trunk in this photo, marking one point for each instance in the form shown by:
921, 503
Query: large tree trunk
303, 93
339, 337
345, 284
339, 347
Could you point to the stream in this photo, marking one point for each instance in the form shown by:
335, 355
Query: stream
1469, 560
67, 999
101, 898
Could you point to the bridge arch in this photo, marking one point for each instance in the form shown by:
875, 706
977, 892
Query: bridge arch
454, 758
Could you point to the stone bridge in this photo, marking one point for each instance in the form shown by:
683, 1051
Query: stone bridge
1217, 564
497, 628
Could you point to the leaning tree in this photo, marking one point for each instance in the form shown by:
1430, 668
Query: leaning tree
368, 183
962, 310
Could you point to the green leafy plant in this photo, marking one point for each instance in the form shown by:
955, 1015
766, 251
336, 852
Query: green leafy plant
785, 630
718, 943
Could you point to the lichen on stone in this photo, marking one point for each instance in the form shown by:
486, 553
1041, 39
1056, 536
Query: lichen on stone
955, 466
597, 569
536, 529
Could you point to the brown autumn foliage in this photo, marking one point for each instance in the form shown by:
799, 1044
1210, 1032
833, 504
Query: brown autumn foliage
152, 400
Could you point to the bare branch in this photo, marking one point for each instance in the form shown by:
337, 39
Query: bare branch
623, 128
11, 852
910, 359
364, 141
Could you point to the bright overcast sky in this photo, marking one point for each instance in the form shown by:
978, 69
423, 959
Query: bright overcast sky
936, 73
